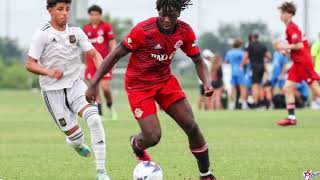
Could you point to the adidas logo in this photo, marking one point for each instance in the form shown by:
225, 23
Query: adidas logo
158, 46
54, 40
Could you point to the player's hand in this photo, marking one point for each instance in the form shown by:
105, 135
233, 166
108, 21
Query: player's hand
55, 73
91, 93
208, 90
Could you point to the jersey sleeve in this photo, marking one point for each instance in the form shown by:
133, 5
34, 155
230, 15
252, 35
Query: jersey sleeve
37, 45
190, 46
135, 39
294, 35
227, 57
109, 32
84, 41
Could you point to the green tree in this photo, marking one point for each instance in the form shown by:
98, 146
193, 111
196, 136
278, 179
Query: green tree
220, 41
10, 51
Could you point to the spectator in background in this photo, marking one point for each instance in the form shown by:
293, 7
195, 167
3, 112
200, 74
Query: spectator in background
217, 83
203, 102
315, 52
234, 57
301, 94
280, 60
255, 55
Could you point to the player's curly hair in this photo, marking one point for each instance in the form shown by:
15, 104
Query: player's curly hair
52, 3
180, 5
289, 7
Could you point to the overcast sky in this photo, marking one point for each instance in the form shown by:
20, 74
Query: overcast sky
25, 17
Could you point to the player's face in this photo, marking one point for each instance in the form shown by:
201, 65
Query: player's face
285, 16
60, 13
95, 17
168, 20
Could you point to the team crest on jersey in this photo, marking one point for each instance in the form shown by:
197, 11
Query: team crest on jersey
294, 36
72, 39
100, 32
62, 122
178, 44
138, 113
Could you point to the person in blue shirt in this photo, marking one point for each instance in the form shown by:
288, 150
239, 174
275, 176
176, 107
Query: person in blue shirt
280, 60
302, 94
234, 57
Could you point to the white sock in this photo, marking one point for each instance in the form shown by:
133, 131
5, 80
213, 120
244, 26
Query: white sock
93, 120
76, 138
205, 174
292, 117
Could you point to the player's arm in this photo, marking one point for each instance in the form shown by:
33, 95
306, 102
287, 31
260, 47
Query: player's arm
96, 56
245, 60
34, 67
283, 72
289, 47
34, 54
268, 55
105, 67
202, 71
113, 44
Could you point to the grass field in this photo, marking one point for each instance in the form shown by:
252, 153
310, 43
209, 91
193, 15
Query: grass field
244, 145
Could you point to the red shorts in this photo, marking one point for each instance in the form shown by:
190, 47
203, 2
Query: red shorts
90, 71
143, 103
303, 71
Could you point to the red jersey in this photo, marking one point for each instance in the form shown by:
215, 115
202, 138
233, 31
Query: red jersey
152, 52
295, 35
99, 37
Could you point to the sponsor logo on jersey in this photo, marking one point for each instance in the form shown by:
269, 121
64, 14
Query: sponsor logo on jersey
162, 57
72, 39
138, 113
99, 40
178, 44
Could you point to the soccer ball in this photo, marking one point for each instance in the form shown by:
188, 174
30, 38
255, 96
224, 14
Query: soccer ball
146, 170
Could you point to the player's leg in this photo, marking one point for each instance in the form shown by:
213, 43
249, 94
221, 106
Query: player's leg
144, 110
66, 120
99, 102
149, 136
243, 97
107, 91
182, 113
290, 101
216, 98
173, 100
90, 114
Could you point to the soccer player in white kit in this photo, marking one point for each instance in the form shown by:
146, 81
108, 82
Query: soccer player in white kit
54, 54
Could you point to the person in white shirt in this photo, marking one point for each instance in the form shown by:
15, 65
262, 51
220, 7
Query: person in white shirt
54, 54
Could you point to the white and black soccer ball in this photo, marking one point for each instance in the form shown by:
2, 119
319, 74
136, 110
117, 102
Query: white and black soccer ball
146, 170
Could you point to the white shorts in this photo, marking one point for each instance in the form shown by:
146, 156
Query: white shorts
65, 104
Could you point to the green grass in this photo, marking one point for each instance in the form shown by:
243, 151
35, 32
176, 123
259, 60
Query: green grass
244, 145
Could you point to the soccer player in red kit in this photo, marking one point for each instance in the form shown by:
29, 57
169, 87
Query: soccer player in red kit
302, 68
148, 80
103, 39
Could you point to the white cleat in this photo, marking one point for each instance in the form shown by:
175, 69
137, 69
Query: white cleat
102, 176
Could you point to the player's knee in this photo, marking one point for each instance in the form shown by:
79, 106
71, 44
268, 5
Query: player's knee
153, 138
91, 116
76, 138
192, 129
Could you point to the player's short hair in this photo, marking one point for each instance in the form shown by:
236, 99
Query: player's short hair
95, 8
237, 43
52, 3
288, 7
180, 5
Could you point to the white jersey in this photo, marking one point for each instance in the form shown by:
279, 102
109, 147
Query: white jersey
59, 50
